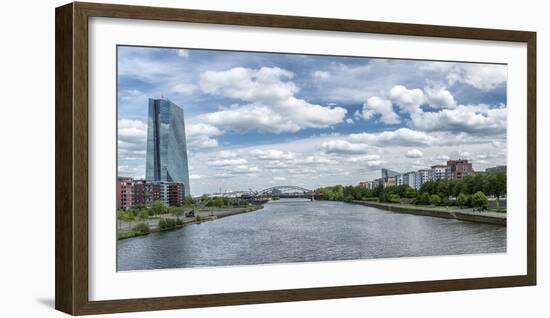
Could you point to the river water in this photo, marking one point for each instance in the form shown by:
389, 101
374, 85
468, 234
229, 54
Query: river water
288, 231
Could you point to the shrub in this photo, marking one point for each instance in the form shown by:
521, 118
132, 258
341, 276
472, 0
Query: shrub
424, 199
143, 215
479, 200
348, 198
141, 229
179, 222
167, 224
435, 199
394, 198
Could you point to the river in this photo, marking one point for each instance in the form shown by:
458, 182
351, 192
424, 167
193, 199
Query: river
288, 231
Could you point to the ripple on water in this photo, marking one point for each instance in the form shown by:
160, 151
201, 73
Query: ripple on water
303, 231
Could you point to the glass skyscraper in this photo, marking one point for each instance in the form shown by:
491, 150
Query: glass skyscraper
166, 144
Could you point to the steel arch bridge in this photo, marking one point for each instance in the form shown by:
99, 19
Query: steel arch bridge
285, 190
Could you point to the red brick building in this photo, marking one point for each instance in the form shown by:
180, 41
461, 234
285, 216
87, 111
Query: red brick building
125, 193
146, 192
458, 169
131, 193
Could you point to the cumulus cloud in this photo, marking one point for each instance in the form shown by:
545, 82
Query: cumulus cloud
227, 162
440, 97
376, 105
270, 99
398, 137
468, 119
132, 138
199, 136
481, 76
272, 154
343, 147
439, 158
322, 75
184, 88
408, 100
414, 153
364, 158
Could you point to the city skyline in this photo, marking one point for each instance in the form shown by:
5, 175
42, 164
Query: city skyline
258, 119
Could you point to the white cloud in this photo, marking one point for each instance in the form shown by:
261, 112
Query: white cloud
343, 147
197, 130
376, 105
414, 153
440, 98
439, 158
460, 154
183, 52
227, 154
195, 177
399, 137
365, 158
131, 139
199, 136
271, 106
279, 178
469, 119
227, 162
184, 88
408, 100
349, 121
322, 75
271, 154
482, 76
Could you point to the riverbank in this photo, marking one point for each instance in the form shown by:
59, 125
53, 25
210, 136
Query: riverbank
449, 213
203, 215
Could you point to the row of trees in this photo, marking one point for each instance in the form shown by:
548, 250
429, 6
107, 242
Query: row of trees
489, 184
468, 191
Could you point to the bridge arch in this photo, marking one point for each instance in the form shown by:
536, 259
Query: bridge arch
284, 189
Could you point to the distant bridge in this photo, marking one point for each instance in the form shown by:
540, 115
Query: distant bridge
286, 191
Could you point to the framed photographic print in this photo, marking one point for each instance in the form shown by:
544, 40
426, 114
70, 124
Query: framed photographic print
211, 158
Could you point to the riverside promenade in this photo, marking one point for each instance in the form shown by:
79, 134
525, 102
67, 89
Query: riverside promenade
202, 215
441, 212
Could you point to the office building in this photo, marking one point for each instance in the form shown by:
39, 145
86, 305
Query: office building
166, 158
421, 176
146, 192
125, 193
438, 172
458, 169
172, 193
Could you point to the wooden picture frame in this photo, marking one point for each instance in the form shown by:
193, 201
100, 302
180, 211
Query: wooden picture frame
71, 155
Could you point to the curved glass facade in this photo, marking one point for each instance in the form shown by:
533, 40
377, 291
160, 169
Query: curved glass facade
166, 144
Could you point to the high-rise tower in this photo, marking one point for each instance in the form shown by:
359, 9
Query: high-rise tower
166, 144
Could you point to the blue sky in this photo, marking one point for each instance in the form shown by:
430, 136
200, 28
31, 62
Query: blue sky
258, 119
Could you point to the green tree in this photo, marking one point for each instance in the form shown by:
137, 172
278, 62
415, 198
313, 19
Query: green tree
158, 207
496, 185
424, 199
479, 200
435, 199
462, 200
409, 193
143, 215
